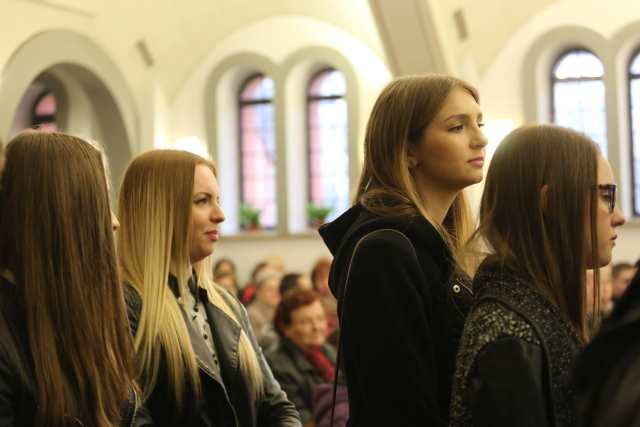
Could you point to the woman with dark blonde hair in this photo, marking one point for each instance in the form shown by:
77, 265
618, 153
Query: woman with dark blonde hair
547, 215
66, 356
398, 269
198, 360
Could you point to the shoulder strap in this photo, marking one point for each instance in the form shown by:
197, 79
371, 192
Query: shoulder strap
343, 294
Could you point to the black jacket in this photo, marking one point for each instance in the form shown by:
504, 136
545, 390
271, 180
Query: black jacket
401, 317
607, 374
226, 401
515, 357
296, 375
18, 388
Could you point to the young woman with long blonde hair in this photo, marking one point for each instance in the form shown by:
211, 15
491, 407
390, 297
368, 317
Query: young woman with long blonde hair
66, 355
398, 269
548, 214
199, 363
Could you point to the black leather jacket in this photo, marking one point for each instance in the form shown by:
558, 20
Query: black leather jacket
18, 388
226, 400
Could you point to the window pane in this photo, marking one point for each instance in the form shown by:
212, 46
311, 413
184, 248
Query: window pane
578, 64
580, 105
46, 105
634, 91
258, 149
635, 65
44, 113
258, 88
328, 143
328, 83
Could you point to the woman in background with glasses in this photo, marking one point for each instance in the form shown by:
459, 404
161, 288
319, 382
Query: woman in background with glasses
547, 215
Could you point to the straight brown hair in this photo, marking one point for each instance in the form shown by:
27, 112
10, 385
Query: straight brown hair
545, 240
400, 116
57, 242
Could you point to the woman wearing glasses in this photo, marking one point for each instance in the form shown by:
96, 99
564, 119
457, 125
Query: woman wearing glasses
547, 215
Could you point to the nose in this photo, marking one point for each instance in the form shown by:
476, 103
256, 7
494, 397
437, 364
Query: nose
617, 218
479, 140
217, 214
115, 224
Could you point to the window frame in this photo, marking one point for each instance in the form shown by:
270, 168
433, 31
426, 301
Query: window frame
38, 120
241, 103
635, 54
553, 79
308, 100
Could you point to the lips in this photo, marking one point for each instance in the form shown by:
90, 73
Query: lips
213, 235
477, 161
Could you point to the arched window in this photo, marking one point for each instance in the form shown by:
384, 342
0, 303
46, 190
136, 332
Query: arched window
634, 109
578, 98
258, 148
43, 114
328, 141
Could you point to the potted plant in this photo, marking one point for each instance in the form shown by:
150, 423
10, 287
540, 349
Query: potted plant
249, 217
317, 214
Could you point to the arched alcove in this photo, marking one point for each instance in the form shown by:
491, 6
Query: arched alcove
94, 100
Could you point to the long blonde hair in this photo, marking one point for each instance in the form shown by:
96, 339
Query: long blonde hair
547, 243
155, 211
402, 112
58, 244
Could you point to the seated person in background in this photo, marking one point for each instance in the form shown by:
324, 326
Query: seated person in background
292, 281
224, 266
227, 281
621, 275
303, 362
263, 308
320, 281
248, 292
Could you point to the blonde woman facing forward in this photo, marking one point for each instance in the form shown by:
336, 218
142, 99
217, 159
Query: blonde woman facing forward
199, 363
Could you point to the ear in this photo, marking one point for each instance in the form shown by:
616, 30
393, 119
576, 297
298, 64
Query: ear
544, 197
413, 162
411, 157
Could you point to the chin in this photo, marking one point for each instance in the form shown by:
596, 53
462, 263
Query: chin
603, 261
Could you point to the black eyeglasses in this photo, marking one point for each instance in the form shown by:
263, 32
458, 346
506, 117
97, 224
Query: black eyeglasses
608, 193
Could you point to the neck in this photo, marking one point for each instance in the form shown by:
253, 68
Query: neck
437, 199
187, 272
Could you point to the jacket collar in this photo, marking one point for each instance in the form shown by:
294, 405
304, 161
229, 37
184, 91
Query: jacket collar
225, 331
192, 283
341, 235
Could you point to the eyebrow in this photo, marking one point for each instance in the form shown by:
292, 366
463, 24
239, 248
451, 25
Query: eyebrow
203, 193
462, 116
